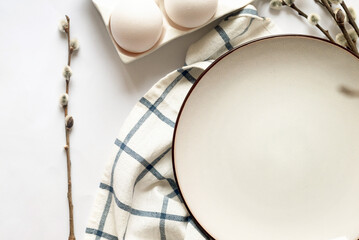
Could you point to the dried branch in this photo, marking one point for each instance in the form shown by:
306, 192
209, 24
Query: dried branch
67, 146
320, 3
339, 19
302, 14
72, 45
350, 17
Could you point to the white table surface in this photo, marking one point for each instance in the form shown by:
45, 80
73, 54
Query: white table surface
103, 90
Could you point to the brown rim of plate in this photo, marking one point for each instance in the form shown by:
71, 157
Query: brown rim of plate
199, 79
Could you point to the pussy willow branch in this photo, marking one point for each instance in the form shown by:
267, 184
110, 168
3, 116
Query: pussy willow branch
341, 25
320, 2
67, 146
350, 17
302, 14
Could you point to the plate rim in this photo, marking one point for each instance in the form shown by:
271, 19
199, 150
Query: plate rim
297, 36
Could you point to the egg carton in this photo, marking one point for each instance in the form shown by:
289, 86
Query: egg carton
170, 30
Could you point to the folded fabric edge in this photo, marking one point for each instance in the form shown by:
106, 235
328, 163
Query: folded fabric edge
210, 47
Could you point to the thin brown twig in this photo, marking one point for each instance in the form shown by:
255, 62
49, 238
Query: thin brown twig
319, 2
341, 25
303, 14
67, 146
350, 17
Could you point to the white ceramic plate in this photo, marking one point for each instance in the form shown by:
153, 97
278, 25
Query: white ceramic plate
266, 145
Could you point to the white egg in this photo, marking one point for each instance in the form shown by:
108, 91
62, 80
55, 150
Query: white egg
190, 13
136, 25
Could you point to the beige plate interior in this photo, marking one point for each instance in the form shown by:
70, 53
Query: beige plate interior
267, 146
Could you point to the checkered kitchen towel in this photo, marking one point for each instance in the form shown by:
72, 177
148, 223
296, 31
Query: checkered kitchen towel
138, 196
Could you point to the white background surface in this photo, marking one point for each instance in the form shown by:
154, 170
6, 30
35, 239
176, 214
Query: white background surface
103, 90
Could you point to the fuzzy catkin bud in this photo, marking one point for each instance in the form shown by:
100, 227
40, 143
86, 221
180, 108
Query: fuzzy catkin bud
63, 25
340, 16
337, 10
353, 13
340, 39
64, 99
74, 44
67, 72
313, 19
69, 122
275, 4
353, 35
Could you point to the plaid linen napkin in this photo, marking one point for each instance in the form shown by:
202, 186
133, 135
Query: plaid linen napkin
138, 196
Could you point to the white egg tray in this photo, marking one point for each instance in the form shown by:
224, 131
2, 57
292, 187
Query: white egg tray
170, 30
